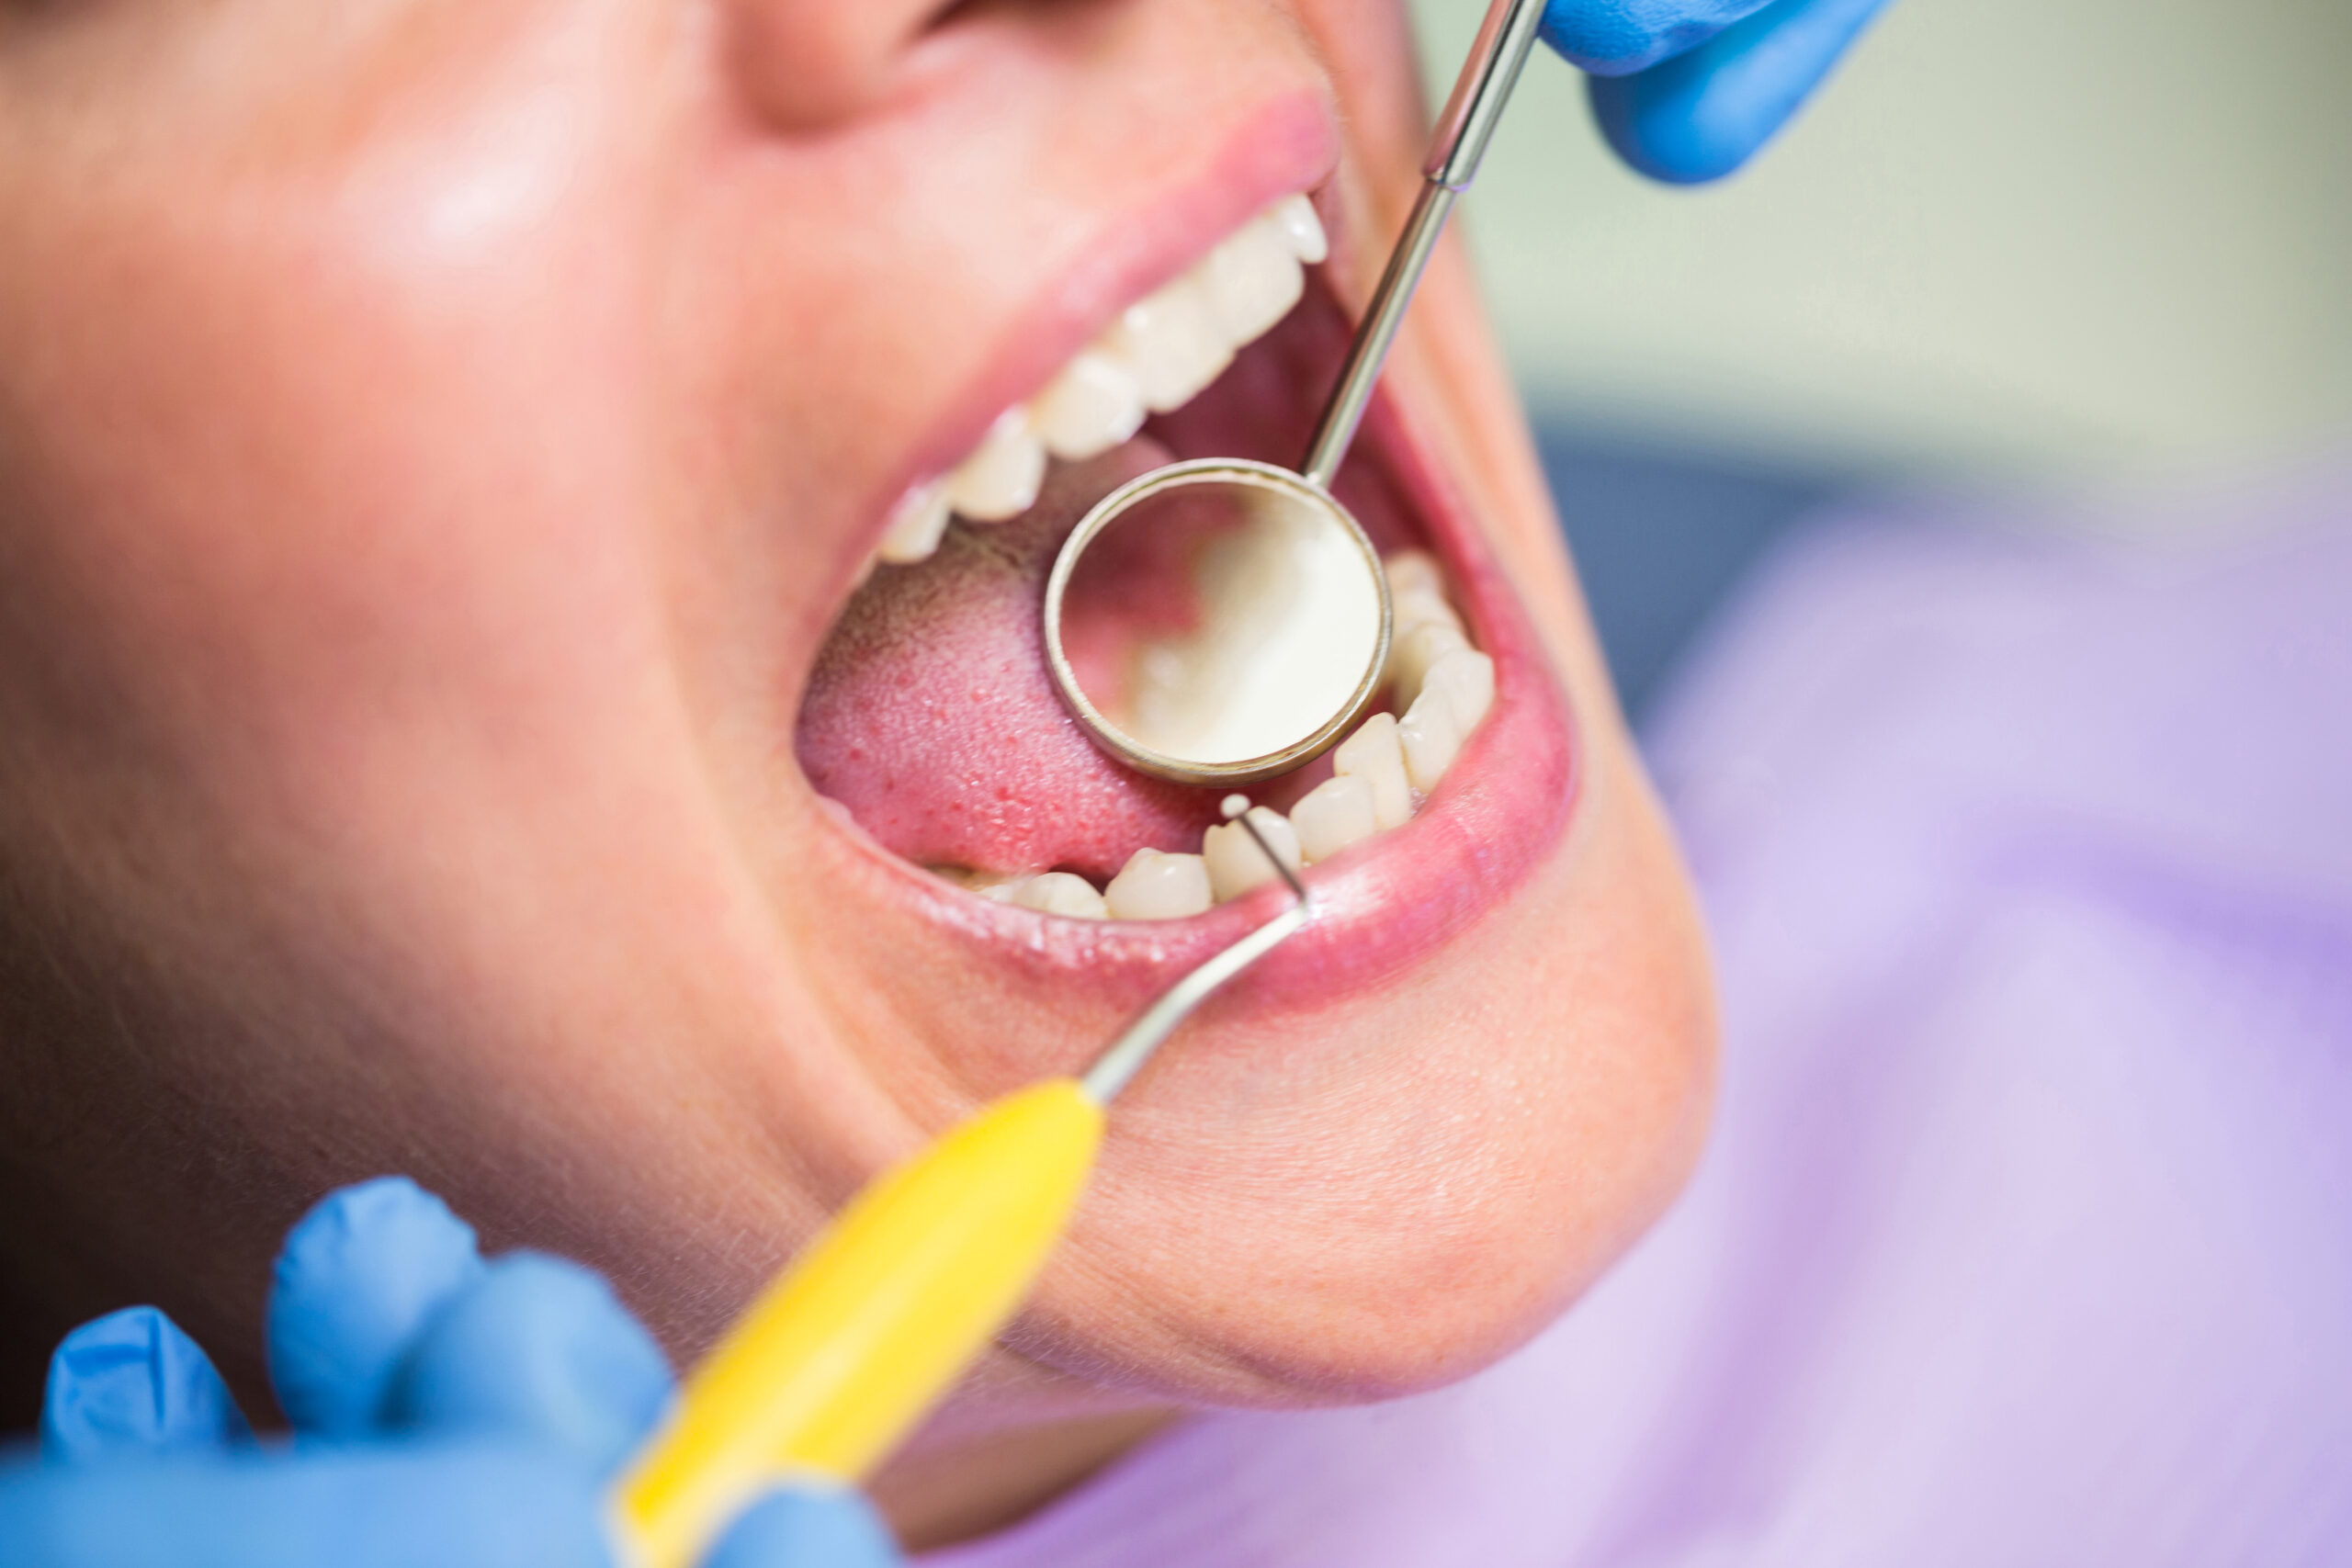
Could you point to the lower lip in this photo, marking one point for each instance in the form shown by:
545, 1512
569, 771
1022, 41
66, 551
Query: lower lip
1380, 907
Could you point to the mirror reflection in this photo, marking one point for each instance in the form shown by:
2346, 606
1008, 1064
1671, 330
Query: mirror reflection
1224, 617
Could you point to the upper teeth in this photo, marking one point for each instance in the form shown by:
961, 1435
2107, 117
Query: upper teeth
1154, 358
1004, 472
1378, 774
1092, 405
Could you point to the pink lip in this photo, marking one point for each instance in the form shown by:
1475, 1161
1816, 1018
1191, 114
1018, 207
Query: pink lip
1290, 143
1380, 910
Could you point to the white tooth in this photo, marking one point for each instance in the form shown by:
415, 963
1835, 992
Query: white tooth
1000, 477
1413, 570
1415, 652
1334, 813
1373, 755
1057, 893
1459, 691
1466, 680
1421, 607
915, 525
1172, 343
1090, 407
1430, 741
1295, 216
1251, 281
1156, 886
1235, 862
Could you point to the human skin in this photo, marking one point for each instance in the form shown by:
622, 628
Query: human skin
436, 437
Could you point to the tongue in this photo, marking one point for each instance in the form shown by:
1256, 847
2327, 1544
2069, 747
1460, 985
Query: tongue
930, 718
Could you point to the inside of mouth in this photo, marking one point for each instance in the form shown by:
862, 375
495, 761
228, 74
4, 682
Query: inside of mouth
932, 718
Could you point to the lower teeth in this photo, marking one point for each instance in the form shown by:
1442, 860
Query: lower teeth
1382, 773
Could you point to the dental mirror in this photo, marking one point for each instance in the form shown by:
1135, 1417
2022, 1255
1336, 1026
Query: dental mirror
1217, 621
1222, 621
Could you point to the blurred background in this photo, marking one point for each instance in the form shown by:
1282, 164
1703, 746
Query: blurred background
2098, 248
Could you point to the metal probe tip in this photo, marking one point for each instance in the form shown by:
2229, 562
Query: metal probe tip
1126, 1057
1237, 809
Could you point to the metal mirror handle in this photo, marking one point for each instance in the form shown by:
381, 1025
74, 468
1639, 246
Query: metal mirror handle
1463, 132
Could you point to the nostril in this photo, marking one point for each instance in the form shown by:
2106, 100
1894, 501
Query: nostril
807, 64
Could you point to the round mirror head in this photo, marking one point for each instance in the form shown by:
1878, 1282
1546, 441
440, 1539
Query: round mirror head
1217, 621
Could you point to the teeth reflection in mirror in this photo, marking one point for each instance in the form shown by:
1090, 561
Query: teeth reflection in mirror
915, 525
1003, 476
1173, 343
1334, 813
1090, 407
1156, 885
1236, 865
1252, 279
1373, 755
1053, 893
1295, 216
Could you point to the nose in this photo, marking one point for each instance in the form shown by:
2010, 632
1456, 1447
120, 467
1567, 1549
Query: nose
807, 64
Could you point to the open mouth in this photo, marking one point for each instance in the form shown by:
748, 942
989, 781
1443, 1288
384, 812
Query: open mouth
930, 721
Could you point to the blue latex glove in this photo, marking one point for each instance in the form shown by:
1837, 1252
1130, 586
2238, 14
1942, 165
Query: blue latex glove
447, 1411
1687, 90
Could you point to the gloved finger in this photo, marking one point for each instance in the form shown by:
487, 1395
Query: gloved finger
537, 1347
361, 1275
448, 1506
806, 1530
1704, 112
1617, 38
130, 1382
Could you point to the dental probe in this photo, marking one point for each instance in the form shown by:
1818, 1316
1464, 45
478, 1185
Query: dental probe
863, 1332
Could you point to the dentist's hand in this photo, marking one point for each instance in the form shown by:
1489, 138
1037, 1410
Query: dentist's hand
447, 1411
1685, 90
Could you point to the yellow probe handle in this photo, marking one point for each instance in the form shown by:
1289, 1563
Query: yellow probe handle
855, 1341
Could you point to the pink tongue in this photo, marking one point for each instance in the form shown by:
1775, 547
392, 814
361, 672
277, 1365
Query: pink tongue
930, 714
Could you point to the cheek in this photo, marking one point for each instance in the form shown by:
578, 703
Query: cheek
333, 619
277, 481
